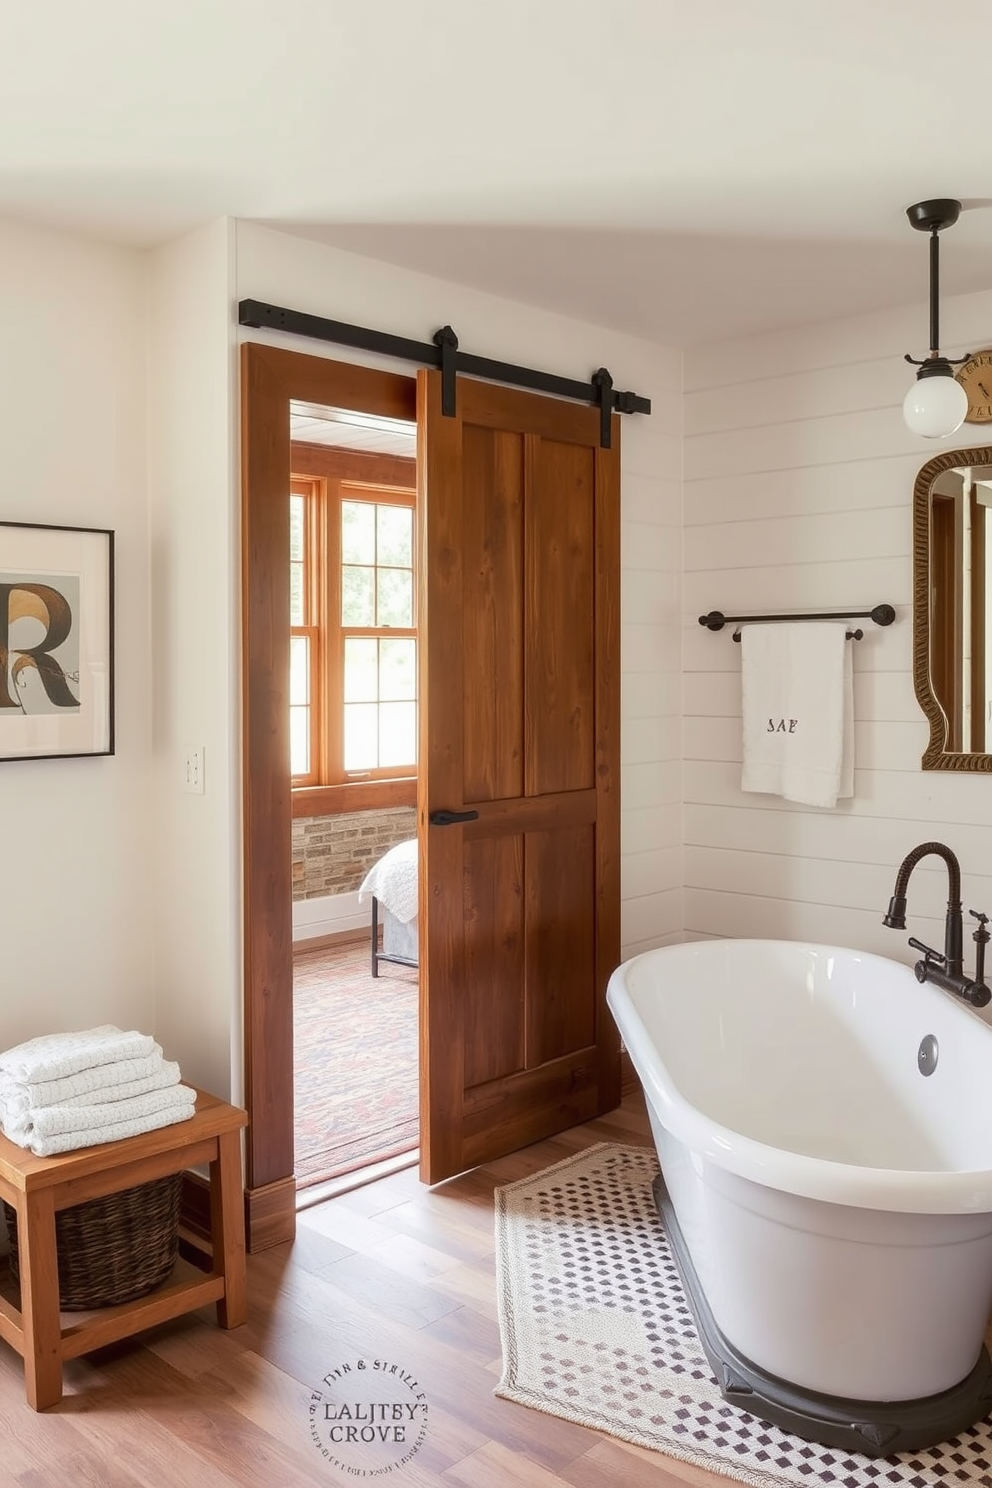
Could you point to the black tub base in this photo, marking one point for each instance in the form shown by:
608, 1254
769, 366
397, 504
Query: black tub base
873, 1428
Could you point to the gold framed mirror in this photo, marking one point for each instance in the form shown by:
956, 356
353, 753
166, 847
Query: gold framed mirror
952, 607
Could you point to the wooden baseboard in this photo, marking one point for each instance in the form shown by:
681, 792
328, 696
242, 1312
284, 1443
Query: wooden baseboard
270, 1215
195, 1243
194, 1207
337, 937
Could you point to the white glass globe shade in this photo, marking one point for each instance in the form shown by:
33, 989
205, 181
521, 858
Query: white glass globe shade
935, 406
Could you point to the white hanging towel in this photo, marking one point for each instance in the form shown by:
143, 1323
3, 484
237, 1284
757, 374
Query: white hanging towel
797, 704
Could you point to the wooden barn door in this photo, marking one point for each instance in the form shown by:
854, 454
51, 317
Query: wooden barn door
519, 727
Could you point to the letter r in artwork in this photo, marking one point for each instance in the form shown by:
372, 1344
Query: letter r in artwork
24, 606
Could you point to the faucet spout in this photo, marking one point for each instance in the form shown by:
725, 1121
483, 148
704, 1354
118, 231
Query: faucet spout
945, 970
895, 918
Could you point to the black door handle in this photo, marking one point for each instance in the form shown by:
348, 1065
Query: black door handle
448, 818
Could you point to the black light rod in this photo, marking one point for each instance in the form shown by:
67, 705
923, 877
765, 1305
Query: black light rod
934, 292
258, 314
882, 614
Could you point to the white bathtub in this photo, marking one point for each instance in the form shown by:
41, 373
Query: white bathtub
835, 1202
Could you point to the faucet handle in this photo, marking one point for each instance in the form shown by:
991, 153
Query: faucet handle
981, 938
928, 951
929, 954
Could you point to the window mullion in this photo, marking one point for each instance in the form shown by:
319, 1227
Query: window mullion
309, 634
333, 664
304, 489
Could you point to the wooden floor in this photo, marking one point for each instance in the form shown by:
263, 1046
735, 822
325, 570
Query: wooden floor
392, 1270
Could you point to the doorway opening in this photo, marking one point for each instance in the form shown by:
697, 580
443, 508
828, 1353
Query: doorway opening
355, 1079
353, 763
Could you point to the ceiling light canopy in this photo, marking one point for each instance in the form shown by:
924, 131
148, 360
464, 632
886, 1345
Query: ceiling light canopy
936, 404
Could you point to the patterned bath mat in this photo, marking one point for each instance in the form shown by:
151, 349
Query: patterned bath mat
595, 1329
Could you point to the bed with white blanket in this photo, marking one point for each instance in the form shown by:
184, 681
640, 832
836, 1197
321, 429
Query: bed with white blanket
391, 884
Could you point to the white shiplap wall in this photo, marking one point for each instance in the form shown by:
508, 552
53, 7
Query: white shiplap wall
798, 495
650, 635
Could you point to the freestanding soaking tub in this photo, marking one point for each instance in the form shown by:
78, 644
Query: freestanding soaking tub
824, 1127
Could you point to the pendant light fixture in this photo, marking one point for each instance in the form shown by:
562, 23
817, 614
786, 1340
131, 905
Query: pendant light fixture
936, 404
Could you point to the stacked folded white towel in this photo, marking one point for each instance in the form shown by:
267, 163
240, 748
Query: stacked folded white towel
68, 1090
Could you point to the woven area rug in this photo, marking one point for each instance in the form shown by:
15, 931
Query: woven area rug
595, 1329
355, 1061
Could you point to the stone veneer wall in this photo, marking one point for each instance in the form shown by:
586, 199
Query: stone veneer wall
332, 854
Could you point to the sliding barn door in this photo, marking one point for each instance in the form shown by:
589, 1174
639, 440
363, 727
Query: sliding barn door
519, 782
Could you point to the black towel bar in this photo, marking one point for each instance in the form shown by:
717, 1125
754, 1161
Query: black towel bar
882, 614
851, 635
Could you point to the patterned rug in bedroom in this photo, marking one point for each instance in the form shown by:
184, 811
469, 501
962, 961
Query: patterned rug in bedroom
355, 1057
595, 1329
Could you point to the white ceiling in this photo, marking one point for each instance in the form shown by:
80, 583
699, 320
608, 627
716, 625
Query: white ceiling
343, 428
681, 169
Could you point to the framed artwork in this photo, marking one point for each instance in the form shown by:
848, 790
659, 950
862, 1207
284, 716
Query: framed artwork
56, 641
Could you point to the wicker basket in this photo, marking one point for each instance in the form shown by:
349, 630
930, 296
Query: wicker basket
115, 1248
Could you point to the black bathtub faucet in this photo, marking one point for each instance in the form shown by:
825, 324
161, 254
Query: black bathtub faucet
945, 970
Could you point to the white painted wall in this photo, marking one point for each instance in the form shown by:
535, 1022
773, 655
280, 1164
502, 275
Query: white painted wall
330, 914
193, 863
306, 275
74, 834
798, 494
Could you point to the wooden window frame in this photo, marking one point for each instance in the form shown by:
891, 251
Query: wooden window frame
310, 488
326, 474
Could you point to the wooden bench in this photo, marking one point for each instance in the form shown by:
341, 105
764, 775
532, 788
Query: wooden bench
36, 1187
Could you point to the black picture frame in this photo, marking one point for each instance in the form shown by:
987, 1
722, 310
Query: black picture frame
56, 641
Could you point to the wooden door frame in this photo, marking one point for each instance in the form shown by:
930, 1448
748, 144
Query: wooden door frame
270, 378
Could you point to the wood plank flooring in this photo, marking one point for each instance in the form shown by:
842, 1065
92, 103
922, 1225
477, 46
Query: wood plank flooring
393, 1270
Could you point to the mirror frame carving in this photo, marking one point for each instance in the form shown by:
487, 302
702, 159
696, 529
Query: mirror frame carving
935, 756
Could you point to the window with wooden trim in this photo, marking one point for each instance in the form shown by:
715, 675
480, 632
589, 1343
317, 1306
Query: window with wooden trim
353, 636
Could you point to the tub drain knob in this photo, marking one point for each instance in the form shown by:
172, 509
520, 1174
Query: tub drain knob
926, 1057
